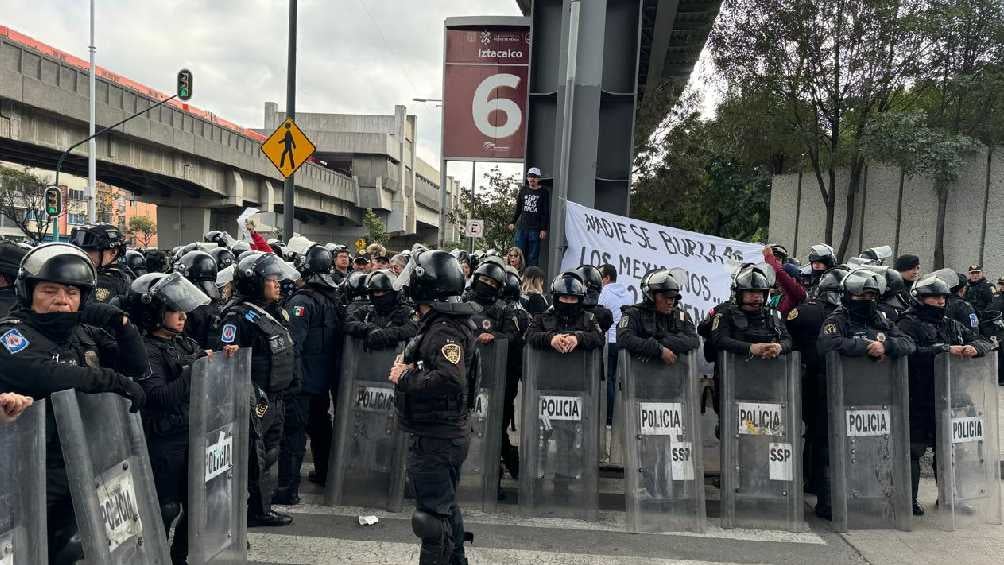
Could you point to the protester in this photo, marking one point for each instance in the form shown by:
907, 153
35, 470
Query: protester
533, 299
532, 216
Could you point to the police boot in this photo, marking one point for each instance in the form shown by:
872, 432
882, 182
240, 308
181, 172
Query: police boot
70, 553
437, 543
510, 458
286, 497
269, 519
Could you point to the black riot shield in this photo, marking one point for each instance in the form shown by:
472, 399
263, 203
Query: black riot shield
761, 435
664, 463
479, 477
219, 420
367, 461
869, 442
969, 488
108, 467
22, 489
558, 440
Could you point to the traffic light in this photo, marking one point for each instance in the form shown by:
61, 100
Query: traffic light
184, 84
53, 201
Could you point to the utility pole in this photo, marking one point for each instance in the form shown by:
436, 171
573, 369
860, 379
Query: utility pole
92, 145
290, 186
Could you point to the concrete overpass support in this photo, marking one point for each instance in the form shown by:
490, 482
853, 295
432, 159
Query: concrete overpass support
181, 225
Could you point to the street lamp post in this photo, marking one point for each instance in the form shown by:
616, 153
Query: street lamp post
442, 171
92, 146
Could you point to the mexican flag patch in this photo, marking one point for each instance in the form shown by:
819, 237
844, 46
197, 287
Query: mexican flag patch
299, 311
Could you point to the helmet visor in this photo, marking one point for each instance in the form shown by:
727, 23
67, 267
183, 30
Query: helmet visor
277, 269
179, 294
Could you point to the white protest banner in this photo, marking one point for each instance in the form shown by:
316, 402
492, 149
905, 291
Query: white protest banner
702, 264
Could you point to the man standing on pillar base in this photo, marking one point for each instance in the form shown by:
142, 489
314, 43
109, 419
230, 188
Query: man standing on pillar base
532, 217
435, 383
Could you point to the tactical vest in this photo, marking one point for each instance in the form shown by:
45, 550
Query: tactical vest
272, 366
440, 410
110, 283
768, 332
672, 323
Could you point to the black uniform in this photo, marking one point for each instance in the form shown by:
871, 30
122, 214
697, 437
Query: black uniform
980, 294
604, 317
734, 329
851, 337
932, 333
433, 402
315, 320
382, 329
203, 325
38, 360
7, 300
273, 372
112, 283
643, 331
960, 310
165, 421
582, 325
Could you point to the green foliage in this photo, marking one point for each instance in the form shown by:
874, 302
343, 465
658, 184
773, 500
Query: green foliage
493, 203
142, 229
375, 228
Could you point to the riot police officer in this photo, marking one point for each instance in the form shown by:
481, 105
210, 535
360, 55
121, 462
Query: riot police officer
512, 295
388, 322
353, 294
56, 338
220, 238
223, 257
135, 263
203, 322
315, 319
156, 261
933, 333
956, 306
158, 304
435, 384
10, 260
744, 325
104, 244
255, 319
593, 280
566, 326
821, 260
658, 328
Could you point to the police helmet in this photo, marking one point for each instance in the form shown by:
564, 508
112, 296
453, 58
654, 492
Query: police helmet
435, 276
156, 260
380, 281
218, 237
254, 269
822, 253
513, 284
931, 285
223, 257
660, 281
11, 255
136, 262
490, 275
593, 280
877, 255
99, 237
199, 267
752, 277
277, 247
860, 281
568, 284
240, 247
355, 285
153, 294
829, 290
316, 261
55, 262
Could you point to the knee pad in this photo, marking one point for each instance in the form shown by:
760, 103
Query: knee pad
427, 526
169, 511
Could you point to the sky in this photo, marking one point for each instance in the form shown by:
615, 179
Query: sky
354, 56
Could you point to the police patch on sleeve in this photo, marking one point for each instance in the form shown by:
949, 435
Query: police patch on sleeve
830, 329
251, 316
792, 314
718, 319
625, 320
102, 294
974, 321
299, 311
229, 334
14, 341
452, 352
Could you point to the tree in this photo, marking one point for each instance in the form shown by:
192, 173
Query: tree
22, 201
494, 205
142, 229
374, 226
835, 64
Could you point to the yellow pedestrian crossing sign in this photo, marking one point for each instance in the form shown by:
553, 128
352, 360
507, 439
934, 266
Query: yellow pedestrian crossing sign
288, 147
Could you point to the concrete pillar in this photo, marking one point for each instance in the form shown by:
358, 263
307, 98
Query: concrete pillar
234, 186
178, 226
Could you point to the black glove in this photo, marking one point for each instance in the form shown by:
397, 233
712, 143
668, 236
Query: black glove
130, 389
378, 339
356, 329
102, 316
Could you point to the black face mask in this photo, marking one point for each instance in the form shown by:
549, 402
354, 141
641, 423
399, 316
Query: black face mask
483, 293
57, 326
384, 304
862, 309
566, 309
928, 313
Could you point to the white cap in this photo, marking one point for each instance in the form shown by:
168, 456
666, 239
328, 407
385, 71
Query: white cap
534, 171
